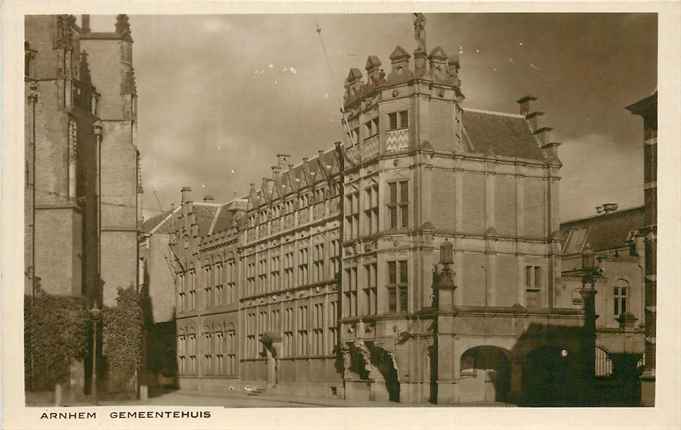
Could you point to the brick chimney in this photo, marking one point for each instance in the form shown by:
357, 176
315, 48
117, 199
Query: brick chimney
276, 171
186, 193
543, 134
533, 120
282, 160
525, 104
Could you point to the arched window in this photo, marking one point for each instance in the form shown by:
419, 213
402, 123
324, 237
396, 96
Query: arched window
620, 297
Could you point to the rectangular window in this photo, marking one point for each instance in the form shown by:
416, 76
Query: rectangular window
533, 277
398, 283
404, 119
538, 278
392, 205
404, 204
392, 283
620, 299
398, 205
398, 120
392, 119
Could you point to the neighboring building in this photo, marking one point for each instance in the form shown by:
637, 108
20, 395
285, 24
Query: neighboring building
258, 297
110, 58
158, 266
616, 241
79, 136
61, 159
647, 109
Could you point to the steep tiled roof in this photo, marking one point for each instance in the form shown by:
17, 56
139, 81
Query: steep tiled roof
601, 232
160, 223
501, 134
223, 220
204, 216
152, 222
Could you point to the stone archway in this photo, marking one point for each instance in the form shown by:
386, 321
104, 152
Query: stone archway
486, 374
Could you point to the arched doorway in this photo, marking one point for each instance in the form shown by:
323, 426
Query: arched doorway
546, 377
491, 368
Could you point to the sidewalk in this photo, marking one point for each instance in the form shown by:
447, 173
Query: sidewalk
289, 399
294, 401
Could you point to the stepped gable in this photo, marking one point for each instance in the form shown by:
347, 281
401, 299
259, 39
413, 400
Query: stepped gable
501, 134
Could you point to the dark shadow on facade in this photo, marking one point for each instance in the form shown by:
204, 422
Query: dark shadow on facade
552, 366
160, 354
385, 364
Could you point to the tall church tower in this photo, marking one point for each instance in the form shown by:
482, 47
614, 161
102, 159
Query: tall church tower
423, 170
110, 59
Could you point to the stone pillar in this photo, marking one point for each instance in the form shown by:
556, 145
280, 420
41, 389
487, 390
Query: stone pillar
588, 293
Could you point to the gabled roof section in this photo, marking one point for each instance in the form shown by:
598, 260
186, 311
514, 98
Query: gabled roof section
223, 219
501, 134
602, 232
160, 223
204, 213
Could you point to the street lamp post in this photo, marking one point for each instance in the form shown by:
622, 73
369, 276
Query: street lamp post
443, 300
591, 273
95, 315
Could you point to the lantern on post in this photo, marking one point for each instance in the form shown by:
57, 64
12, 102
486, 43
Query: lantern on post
445, 278
446, 253
588, 258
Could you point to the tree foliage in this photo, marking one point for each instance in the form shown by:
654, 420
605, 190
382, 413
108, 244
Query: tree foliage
123, 331
55, 332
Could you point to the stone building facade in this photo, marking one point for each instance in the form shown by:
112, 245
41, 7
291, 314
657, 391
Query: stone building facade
646, 108
110, 58
616, 240
80, 97
82, 175
320, 281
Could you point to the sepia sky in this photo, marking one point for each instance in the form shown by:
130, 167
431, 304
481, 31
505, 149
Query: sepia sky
220, 96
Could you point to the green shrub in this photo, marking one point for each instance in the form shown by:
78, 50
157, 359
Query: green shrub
123, 333
55, 333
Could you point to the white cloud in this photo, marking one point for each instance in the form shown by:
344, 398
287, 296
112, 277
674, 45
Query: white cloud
597, 169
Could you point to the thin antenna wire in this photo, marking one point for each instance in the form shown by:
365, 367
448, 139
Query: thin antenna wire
331, 73
160, 206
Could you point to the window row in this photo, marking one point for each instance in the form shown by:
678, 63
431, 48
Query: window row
218, 352
396, 121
